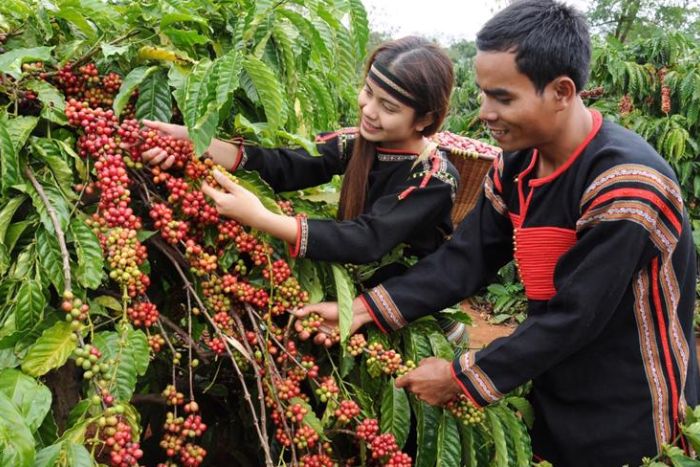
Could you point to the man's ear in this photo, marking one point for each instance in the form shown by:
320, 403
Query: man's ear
564, 91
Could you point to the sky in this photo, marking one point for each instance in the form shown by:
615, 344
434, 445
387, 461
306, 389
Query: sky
445, 20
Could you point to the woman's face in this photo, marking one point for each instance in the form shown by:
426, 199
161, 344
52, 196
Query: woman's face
385, 120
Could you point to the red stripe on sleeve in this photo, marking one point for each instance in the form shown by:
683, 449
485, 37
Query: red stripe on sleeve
639, 193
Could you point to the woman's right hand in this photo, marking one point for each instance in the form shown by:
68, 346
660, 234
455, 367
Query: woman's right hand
221, 152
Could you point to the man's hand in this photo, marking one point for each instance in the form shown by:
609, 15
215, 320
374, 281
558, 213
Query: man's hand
331, 316
431, 381
236, 202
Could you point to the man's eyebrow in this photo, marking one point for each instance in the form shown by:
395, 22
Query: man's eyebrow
495, 92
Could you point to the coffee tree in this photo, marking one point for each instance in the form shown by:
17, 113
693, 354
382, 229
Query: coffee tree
137, 327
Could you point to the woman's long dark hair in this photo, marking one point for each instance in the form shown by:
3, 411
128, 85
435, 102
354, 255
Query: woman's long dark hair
426, 72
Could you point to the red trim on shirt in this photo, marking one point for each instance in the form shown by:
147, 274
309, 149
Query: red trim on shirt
496, 176
371, 314
294, 249
396, 151
639, 193
333, 134
664, 338
463, 387
597, 123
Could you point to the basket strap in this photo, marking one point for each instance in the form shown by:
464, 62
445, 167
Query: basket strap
428, 152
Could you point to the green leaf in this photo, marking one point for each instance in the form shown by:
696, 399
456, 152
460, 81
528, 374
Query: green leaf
11, 62
517, 432
54, 158
49, 255
200, 111
19, 129
360, 26
25, 263
51, 350
418, 344
345, 293
130, 352
54, 104
428, 423
692, 433
47, 433
55, 199
32, 398
502, 457
309, 279
395, 413
15, 231
7, 212
64, 454
154, 102
523, 406
74, 15
441, 346
30, 304
87, 247
228, 71
107, 301
130, 83
449, 452
16, 440
114, 50
9, 168
678, 457
269, 90
252, 182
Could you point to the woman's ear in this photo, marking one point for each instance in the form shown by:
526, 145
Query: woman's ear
424, 122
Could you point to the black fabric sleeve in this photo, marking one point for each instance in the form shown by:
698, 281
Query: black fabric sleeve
294, 169
387, 223
479, 247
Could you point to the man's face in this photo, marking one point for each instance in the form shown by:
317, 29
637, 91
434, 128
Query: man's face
515, 114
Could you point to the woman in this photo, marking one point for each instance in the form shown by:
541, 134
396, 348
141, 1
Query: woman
397, 187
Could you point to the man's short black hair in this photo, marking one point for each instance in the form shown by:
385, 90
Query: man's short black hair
549, 39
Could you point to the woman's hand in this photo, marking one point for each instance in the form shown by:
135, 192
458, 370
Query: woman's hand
236, 202
158, 156
221, 152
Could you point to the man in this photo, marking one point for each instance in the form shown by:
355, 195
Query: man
594, 219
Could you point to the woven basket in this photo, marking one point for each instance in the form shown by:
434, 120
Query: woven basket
472, 159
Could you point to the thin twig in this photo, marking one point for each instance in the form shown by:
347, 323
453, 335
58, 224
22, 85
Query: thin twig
186, 337
65, 256
261, 431
280, 407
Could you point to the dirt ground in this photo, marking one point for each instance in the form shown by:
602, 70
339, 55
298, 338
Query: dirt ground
481, 333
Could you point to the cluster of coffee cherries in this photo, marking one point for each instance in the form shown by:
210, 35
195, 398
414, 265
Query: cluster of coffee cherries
76, 311
88, 358
625, 106
114, 223
87, 84
383, 446
116, 439
465, 411
386, 361
143, 314
181, 432
593, 93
